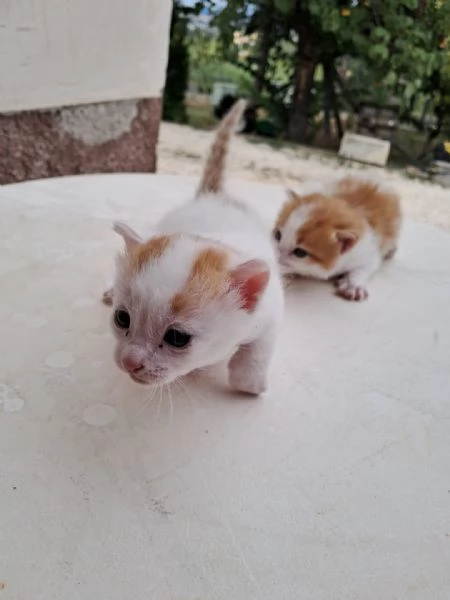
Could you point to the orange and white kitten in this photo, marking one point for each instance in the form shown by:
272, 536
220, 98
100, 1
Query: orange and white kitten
204, 287
341, 231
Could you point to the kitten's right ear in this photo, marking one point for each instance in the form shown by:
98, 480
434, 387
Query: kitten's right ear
347, 239
130, 237
250, 279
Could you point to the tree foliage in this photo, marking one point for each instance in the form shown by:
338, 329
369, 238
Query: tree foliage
302, 51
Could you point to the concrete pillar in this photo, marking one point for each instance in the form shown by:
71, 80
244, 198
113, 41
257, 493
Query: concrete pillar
80, 85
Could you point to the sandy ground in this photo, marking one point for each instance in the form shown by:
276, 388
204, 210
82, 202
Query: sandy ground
182, 149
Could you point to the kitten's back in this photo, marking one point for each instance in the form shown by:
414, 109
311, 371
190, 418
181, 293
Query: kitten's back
380, 207
214, 214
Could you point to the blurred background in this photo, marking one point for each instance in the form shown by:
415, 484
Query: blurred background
83, 85
314, 69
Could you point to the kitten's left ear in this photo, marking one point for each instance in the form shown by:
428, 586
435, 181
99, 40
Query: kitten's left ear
250, 279
346, 239
130, 237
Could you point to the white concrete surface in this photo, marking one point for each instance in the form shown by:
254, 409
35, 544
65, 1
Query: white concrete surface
334, 486
64, 52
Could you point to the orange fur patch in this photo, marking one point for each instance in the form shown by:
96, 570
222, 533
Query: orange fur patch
208, 279
318, 235
380, 208
149, 251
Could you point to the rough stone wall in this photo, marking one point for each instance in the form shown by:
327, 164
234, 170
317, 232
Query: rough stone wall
91, 138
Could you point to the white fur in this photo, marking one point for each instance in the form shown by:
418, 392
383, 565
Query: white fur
221, 329
296, 220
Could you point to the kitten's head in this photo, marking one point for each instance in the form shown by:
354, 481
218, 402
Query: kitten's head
180, 304
312, 232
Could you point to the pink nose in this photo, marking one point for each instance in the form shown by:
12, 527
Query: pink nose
132, 362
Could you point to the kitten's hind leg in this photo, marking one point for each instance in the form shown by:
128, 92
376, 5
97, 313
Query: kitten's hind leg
108, 297
249, 365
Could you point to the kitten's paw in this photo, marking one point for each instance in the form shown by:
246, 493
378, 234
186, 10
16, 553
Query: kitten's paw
108, 297
348, 291
337, 280
248, 385
244, 378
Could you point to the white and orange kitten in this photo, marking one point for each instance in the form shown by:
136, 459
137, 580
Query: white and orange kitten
341, 231
204, 288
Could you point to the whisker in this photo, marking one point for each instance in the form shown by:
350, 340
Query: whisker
158, 412
146, 404
187, 394
169, 391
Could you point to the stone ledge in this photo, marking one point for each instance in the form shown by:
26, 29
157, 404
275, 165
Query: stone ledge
365, 149
110, 137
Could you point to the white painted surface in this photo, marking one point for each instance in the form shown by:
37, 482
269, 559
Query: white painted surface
334, 486
64, 52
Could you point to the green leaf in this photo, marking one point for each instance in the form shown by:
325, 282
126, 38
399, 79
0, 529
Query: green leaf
284, 6
390, 78
380, 34
378, 52
411, 4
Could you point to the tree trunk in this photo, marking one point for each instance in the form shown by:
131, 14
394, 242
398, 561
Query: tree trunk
329, 74
264, 46
308, 59
433, 134
326, 100
423, 117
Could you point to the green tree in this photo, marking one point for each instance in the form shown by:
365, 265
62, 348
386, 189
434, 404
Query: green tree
393, 45
177, 67
177, 75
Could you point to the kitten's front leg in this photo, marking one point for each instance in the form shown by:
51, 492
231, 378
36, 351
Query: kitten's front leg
249, 365
353, 285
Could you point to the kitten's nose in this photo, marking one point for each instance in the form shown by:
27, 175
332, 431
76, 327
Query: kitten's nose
132, 362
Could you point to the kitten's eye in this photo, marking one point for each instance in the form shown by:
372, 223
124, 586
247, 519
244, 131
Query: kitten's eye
300, 253
277, 235
122, 319
176, 338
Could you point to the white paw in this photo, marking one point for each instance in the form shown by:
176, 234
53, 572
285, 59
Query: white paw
248, 385
245, 378
348, 291
108, 297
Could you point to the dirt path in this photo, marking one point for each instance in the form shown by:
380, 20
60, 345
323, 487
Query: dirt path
181, 150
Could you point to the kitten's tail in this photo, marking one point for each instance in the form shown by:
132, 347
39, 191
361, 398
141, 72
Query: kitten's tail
213, 173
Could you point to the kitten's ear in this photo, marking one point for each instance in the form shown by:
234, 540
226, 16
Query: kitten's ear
130, 237
250, 279
347, 239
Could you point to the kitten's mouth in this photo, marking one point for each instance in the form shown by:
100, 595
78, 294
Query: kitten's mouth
140, 380
145, 379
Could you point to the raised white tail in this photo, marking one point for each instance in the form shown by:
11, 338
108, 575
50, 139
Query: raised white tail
213, 173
